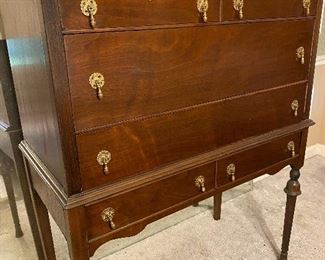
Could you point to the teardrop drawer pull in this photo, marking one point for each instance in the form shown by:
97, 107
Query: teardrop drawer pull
97, 82
295, 107
300, 53
202, 7
89, 8
306, 4
108, 215
231, 171
103, 159
291, 148
238, 6
200, 183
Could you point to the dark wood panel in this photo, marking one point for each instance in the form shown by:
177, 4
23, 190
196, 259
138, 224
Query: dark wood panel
149, 199
27, 48
9, 116
143, 145
257, 9
257, 159
154, 71
135, 13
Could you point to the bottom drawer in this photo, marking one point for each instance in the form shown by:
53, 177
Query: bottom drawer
129, 207
241, 165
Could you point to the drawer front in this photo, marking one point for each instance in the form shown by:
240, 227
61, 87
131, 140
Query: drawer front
150, 199
143, 145
239, 166
150, 72
134, 13
257, 9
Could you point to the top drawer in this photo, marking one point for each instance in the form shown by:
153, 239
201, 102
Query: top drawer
258, 9
129, 13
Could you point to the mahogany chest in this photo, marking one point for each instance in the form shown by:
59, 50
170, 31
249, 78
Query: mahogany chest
132, 110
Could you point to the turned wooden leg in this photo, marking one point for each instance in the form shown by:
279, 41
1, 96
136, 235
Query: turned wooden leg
44, 227
217, 201
292, 190
12, 203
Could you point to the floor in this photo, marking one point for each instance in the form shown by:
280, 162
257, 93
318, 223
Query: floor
250, 228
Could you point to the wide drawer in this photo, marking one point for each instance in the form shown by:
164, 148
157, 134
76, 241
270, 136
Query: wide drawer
134, 13
149, 72
143, 145
257, 9
148, 200
245, 164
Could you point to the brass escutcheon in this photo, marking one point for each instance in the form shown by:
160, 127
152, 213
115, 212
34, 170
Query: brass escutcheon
300, 53
97, 82
202, 7
200, 183
238, 6
89, 8
306, 4
295, 107
108, 215
291, 148
231, 171
103, 159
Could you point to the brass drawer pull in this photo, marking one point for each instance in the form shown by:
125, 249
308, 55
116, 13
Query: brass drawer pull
291, 148
202, 7
238, 6
306, 4
89, 8
300, 52
103, 159
231, 171
295, 107
97, 82
108, 215
200, 183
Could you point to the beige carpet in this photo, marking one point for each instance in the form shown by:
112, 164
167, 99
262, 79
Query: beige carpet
250, 228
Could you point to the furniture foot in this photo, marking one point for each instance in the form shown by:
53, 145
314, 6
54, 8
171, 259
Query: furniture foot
12, 203
292, 190
217, 201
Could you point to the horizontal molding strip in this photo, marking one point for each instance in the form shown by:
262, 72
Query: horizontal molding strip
182, 25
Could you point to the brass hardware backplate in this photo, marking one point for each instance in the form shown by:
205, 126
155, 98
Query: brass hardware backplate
231, 171
202, 7
291, 148
89, 8
200, 183
300, 53
103, 159
97, 82
295, 107
306, 4
108, 215
238, 6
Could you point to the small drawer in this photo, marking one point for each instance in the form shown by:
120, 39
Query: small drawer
242, 165
258, 9
117, 212
134, 13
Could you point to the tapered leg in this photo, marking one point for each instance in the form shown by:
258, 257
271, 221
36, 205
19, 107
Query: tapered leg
12, 203
217, 201
44, 227
292, 190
